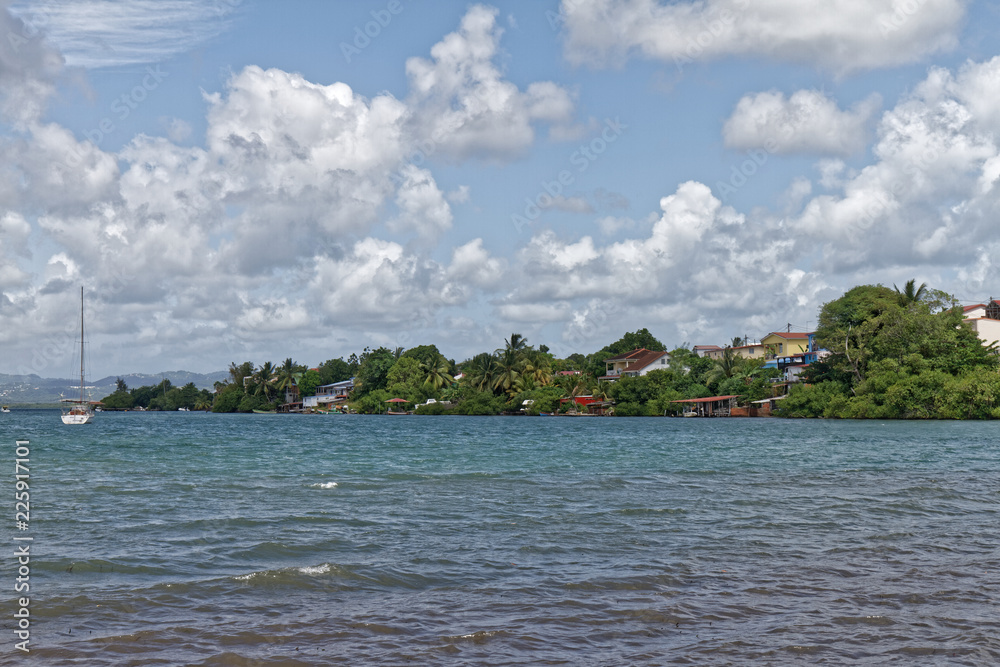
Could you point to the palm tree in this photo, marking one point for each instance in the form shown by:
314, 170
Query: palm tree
482, 371
286, 375
264, 378
509, 363
516, 342
911, 293
536, 365
437, 374
739, 342
724, 368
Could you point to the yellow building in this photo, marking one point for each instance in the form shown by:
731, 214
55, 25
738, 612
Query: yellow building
785, 343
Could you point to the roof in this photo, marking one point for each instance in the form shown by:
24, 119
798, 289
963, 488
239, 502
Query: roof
710, 399
646, 359
791, 334
640, 358
707, 347
966, 309
628, 355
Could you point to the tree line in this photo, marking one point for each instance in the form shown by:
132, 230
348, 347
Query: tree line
892, 354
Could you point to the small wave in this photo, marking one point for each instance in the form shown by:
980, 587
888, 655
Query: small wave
324, 485
316, 569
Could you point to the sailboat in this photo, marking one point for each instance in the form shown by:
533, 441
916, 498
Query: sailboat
81, 411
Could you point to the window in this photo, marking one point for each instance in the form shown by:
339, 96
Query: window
780, 350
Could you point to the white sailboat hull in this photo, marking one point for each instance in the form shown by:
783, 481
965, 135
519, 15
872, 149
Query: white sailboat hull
78, 418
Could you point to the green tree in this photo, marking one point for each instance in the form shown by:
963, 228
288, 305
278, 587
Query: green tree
911, 294
308, 383
373, 370
436, 373
118, 400
264, 381
335, 370
228, 399
481, 371
509, 363
287, 374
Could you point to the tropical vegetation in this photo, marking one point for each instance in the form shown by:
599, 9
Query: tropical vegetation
893, 353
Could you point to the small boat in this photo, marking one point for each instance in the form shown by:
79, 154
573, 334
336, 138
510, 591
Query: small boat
5, 409
82, 411
264, 412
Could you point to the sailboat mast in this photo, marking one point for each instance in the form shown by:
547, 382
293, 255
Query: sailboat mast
81, 343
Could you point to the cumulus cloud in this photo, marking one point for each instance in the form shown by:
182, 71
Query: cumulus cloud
283, 204
462, 105
840, 36
702, 261
422, 206
929, 194
806, 122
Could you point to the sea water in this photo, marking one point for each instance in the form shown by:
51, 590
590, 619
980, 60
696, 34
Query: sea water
201, 539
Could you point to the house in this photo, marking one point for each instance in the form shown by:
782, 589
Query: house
635, 363
292, 390
984, 320
706, 350
755, 351
786, 343
328, 395
792, 363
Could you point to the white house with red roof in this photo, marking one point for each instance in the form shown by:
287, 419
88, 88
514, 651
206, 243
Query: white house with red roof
984, 318
635, 363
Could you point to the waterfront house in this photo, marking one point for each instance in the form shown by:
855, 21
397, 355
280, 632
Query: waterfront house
984, 318
329, 395
635, 363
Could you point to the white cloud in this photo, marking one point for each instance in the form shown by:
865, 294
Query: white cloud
927, 198
806, 122
464, 107
840, 35
471, 263
422, 206
459, 195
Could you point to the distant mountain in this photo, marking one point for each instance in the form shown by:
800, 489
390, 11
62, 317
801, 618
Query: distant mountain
17, 389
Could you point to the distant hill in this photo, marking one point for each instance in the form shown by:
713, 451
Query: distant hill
20, 389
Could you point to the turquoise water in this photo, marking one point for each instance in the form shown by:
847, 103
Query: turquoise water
199, 539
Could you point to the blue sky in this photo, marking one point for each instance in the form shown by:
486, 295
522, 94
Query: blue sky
239, 180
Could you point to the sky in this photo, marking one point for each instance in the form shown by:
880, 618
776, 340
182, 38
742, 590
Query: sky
246, 180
